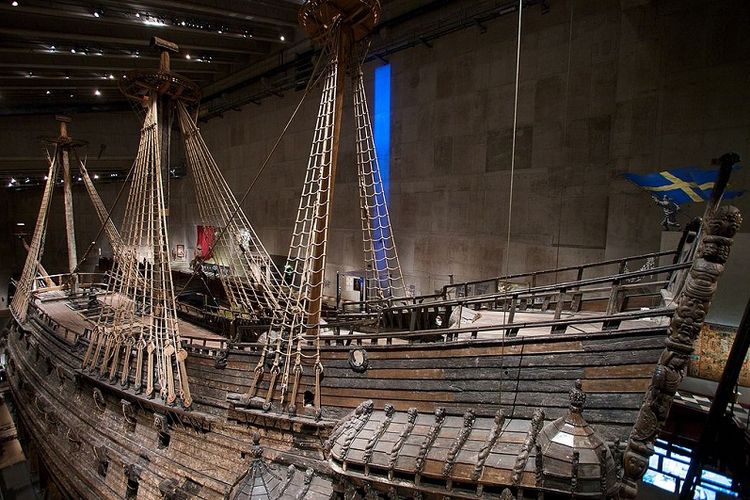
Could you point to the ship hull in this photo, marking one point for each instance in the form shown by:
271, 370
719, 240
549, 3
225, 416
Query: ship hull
67, 420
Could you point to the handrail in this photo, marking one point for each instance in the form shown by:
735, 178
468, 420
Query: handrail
453, 333
564, 269
564, 286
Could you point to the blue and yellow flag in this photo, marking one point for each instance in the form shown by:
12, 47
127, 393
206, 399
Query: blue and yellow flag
681, 185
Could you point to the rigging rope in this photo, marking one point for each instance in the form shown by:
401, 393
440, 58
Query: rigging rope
139, 309
22, 297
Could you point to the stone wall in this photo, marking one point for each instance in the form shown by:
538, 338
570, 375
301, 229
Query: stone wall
606, 87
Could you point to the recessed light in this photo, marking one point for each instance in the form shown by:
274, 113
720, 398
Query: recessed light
220, 32
96, 92
96, 13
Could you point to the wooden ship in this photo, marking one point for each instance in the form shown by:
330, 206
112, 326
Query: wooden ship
551, 383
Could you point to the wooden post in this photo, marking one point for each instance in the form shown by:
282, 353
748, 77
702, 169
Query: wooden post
70, 231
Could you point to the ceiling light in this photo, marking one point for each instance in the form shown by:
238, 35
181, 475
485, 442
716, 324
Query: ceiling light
111, 76
98, 13
96, 92
282, 38
183, 23
67, 77
48, 92
13, 181
20, 224
45, 177
96, 176
52, 47
71, 95
137, 14
72, 51
187, 56
153, 21
29, 74
14, 3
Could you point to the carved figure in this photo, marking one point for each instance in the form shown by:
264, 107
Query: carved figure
670, 209
686, 324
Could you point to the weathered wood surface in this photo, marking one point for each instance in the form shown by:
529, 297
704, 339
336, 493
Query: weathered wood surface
212, 459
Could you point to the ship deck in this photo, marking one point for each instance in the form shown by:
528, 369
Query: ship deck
58, 305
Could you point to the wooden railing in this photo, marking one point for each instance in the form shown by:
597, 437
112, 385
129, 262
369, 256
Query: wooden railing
608, 294
499, 284
337, 335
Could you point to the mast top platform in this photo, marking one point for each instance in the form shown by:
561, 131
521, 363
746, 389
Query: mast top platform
139, 84
63, 140
319, 18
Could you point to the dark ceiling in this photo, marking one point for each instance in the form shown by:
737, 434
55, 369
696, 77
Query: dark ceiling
60, 54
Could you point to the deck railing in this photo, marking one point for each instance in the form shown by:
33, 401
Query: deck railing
504, 284
336, 336
625, 291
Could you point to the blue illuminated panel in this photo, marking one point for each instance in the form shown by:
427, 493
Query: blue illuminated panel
382, 125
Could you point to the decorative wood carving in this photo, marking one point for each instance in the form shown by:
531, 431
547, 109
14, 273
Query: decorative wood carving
458, 442
430, 439
484, 452
411, 417
389, 412
692, 307
537, 420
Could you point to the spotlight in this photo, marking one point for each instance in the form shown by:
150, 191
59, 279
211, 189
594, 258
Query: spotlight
45, 177
137, 14
72, 51
182, 23
48, 92
98, 13
187, 56
96, 176
71, 95
14, 3
111, 76
282, 38
52, 47
96, 92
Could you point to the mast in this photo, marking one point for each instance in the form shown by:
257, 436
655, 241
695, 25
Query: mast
70, 231
138, 321
342, 27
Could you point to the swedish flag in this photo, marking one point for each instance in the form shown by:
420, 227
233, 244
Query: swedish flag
681, 185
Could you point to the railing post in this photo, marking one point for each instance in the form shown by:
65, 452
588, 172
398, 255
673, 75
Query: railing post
615, 304
559, 305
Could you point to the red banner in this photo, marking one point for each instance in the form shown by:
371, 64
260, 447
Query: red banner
205, 242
